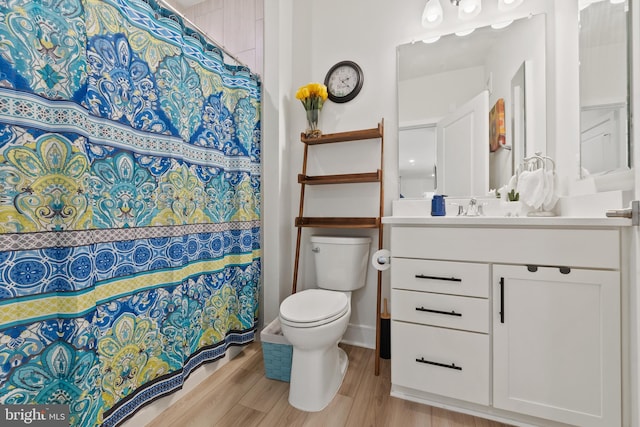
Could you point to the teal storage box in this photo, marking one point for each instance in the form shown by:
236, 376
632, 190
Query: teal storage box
276, 351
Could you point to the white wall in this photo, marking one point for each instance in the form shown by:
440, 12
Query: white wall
427, 99
604, 84
368, 33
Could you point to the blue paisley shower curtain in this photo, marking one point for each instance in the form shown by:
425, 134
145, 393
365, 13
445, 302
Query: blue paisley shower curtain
129, 205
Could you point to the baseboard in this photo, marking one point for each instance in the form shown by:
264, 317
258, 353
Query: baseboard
360, 336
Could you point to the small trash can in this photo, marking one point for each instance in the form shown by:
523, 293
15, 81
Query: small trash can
276, 351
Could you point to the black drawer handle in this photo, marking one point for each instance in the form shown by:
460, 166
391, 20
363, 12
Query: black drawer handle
449, 313
502, 300
428, 362
448, 279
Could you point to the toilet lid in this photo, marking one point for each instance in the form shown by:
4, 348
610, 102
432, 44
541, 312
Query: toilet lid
313, 307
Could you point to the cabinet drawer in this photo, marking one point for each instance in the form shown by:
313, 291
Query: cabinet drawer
456, 278
467, 313
440, 361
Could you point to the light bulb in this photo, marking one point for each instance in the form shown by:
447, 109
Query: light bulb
469, 8
432, 14
508, 4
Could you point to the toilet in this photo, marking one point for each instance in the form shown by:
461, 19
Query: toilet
314, 320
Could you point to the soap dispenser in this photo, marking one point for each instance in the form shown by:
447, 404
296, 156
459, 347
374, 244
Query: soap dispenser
438, 205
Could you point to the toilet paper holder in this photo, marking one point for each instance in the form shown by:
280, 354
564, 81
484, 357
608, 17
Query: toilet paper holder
381, 259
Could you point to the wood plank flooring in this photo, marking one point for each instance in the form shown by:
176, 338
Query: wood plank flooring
240, 395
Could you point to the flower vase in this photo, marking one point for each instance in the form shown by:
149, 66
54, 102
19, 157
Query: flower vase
312, 123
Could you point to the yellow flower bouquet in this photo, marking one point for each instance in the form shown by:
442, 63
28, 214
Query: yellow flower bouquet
312, 97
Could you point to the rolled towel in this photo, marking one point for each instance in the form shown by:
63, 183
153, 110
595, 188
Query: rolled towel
531, 188
550, 198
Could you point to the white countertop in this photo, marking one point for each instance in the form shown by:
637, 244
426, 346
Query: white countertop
557, 221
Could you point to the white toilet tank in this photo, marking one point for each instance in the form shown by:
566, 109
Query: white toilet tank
341, 262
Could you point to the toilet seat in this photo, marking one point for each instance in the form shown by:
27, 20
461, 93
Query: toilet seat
313, 307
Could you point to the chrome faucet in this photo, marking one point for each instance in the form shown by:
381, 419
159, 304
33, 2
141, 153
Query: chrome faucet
472, 209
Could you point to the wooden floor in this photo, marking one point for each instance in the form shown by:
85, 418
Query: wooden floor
239, 394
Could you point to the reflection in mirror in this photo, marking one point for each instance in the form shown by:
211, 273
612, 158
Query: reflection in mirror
519, 112
417, 160
437, 80
604, 141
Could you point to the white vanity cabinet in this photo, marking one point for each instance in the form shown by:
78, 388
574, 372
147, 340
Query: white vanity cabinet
520, 324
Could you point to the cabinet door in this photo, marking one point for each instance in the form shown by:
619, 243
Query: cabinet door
556, 344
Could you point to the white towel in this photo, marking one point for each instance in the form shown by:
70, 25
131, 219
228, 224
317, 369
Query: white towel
550, 198
531, 186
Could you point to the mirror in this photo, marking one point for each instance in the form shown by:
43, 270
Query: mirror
417, 160
437, 81
604, 118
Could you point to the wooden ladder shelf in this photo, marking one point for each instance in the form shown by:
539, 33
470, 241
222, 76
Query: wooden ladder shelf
343, 222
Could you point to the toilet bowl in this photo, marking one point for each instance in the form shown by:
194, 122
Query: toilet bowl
314, 320
318, 365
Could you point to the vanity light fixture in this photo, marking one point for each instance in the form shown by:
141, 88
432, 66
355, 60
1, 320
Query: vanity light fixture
432, 14
465, 32
501, 25
508, 4
431, 40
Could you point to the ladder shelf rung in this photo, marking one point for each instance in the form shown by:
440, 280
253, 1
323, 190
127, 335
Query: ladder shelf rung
351, 178
338, 222
355, 135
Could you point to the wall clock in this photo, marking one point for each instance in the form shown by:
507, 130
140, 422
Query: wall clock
344, 81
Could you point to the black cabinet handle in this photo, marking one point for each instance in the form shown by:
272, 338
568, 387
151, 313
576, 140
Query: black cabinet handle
502, 300
449, 313
443, 365
448, 279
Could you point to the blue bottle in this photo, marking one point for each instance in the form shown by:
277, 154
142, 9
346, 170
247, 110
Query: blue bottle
438, 205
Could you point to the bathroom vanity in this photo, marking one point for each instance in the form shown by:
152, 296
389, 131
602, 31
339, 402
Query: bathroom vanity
513, 319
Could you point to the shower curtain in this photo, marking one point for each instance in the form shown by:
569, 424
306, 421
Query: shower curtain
129, 205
